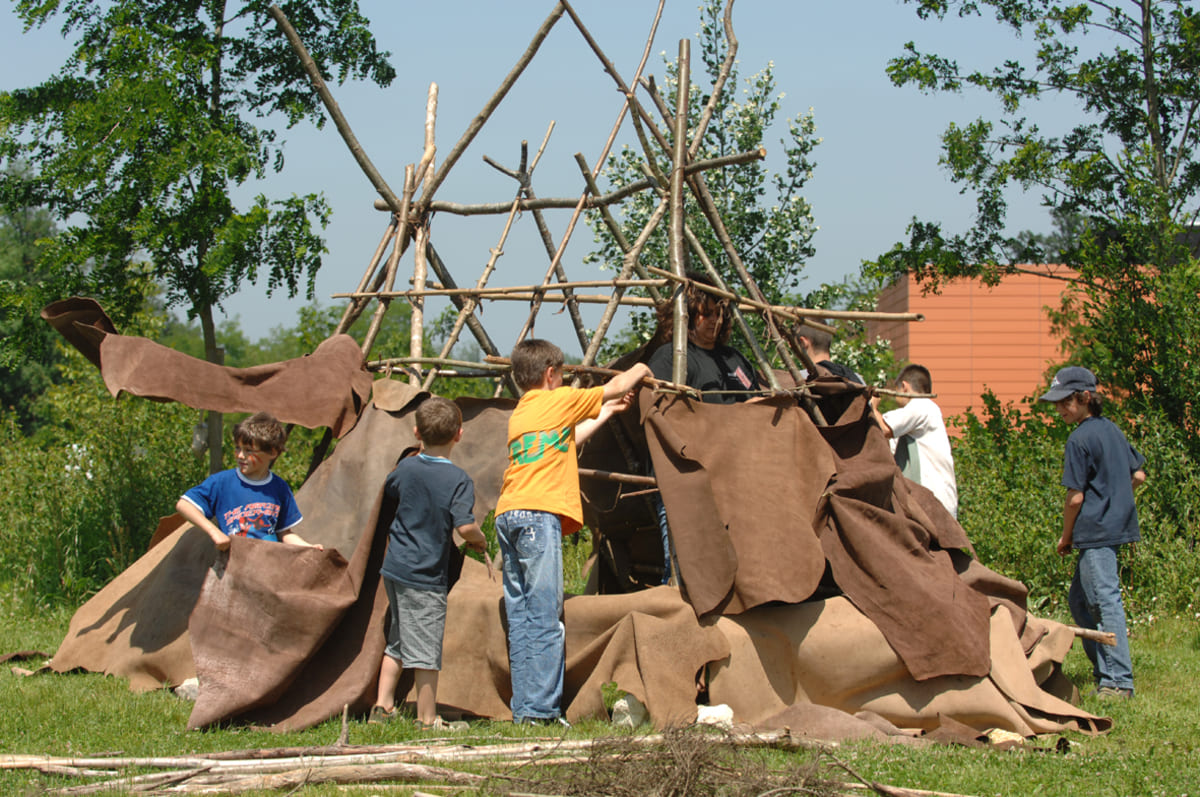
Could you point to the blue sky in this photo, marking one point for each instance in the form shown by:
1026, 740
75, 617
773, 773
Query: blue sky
876, 166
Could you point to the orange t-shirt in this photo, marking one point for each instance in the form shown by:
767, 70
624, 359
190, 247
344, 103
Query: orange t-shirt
542, 472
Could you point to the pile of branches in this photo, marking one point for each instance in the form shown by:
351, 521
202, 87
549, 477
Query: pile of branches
691, 761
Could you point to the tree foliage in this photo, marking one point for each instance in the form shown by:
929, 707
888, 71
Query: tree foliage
767, 217
27, 350
149, 137
143, 141
1124, 177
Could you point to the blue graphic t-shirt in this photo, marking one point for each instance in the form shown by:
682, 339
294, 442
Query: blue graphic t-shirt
261, 510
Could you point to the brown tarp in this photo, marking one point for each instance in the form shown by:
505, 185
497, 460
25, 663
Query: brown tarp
788, 537
326, 388
741, 484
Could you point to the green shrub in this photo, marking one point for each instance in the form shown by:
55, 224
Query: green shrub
1009, 469
82, 498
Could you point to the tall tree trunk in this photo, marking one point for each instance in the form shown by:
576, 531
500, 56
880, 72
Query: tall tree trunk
214, 354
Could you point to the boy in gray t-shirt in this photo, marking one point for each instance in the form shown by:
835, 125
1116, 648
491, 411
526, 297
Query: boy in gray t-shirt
1100, 471
434, 498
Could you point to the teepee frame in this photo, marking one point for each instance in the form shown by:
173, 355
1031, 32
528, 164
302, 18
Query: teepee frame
410, 211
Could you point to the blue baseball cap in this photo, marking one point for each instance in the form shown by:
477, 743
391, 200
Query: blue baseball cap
1069, 381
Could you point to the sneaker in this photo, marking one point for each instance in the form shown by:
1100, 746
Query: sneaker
443, 726
545, 722
1114, 693
380, 715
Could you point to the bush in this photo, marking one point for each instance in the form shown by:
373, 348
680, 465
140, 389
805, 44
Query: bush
82, 498
1009, 469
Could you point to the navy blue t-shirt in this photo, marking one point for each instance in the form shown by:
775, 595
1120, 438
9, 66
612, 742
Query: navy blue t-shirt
1100, 463
433, 497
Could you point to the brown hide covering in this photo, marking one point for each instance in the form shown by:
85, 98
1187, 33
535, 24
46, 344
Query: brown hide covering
326, 388
649, 643
829, 653
287, 636
759, 498
322, 617
740, 483
890, 548
136, 627
258, 590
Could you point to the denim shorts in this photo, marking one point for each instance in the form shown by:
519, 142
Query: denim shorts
416, 623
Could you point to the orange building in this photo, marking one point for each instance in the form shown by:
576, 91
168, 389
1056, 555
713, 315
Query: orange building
975, 337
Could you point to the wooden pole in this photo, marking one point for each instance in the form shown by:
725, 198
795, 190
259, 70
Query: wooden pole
477, 123
416, 326
590, 201
466, 309
481, 336
1103, 637
628, 264
675, 230
355, 307
718, 84
604, 151
335, 112
393, 264
524, 180
623, 478
525, 292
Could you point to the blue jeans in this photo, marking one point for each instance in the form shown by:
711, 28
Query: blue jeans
664, 529
531, 543
1095, 600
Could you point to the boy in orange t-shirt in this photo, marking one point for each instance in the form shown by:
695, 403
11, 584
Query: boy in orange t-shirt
539, 503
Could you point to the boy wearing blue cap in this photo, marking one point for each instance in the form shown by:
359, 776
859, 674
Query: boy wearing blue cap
1100, 471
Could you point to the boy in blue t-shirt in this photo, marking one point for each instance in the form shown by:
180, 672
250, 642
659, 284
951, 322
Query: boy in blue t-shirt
249, 500
434, 498
1100, 471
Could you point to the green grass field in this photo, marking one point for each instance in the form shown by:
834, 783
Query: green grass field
1152, 749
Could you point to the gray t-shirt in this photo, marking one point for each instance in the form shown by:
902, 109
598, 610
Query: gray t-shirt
433, 497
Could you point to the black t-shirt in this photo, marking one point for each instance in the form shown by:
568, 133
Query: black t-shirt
837, 369
719, 368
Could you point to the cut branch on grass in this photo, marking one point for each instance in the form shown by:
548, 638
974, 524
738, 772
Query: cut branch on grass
688, 760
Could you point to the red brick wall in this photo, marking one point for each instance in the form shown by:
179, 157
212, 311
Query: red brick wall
975, 337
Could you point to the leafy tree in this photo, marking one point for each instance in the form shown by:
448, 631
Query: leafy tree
1125, 177
82, 496
23, 378
143, 139
768, 219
